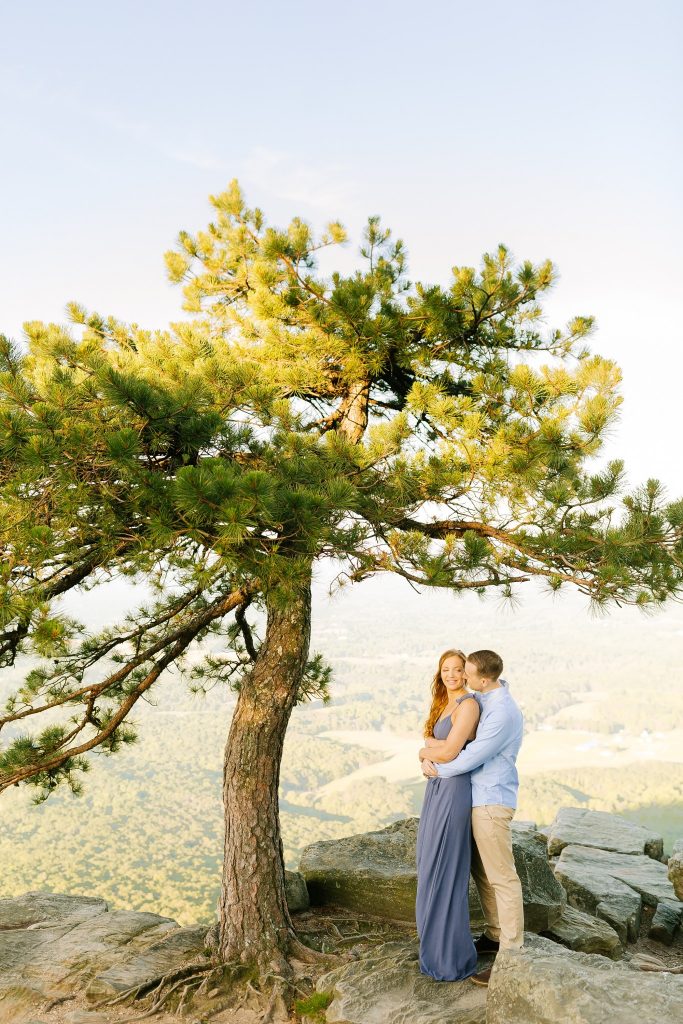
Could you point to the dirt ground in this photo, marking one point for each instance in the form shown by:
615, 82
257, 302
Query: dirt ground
670, 956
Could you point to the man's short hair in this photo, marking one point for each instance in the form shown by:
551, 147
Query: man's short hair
489, 664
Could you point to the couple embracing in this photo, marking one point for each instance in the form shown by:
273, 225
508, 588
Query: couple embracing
473, 735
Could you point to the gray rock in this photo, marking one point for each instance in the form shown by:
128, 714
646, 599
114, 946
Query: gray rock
375, 872
89, 947
51, 945
575, 826
158, 959
613, 886
544, 898
585, 934
603, 896
296, 891
676, 868
666, 922
547, 984
35, 909
387, 987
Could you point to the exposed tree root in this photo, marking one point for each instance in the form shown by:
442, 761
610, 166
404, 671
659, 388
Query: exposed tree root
347, 940
213, 987
678, 969
160, 989
57, 1002
150, 987
641, 964
300, 951
276, 1004
209, 987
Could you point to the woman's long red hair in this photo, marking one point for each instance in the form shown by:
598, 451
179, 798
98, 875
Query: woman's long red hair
439, 692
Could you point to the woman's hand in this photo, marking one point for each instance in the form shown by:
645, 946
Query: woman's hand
430, 741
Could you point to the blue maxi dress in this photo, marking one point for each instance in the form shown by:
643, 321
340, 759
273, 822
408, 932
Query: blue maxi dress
444, 851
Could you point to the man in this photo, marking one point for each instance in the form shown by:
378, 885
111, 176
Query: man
490, 757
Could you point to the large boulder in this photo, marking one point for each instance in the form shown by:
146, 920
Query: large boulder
375, 872
585, 934
613, 886
387, 987
676, 868
545, 983
575, 826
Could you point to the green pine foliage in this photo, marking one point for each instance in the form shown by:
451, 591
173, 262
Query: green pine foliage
440, 433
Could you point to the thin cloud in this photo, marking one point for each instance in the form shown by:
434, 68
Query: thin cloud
329, 188
203, 161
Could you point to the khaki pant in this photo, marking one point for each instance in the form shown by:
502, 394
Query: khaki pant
493, 870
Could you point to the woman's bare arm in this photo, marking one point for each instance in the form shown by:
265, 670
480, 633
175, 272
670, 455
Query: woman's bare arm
461, 730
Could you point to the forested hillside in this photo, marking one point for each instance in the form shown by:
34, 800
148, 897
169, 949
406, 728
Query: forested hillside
599, 694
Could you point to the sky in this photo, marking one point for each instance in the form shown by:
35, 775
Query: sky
553, 128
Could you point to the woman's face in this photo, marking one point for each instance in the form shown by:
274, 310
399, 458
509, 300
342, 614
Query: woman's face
452, 673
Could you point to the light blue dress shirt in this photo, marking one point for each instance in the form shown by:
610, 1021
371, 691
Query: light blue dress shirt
490, 756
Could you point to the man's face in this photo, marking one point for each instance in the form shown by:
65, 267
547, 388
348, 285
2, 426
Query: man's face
472, 677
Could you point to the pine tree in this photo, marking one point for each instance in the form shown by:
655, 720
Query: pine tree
437, 433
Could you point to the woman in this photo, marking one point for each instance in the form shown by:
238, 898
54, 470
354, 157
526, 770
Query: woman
447, 951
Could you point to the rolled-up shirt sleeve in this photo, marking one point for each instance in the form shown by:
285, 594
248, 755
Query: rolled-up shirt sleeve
492, 736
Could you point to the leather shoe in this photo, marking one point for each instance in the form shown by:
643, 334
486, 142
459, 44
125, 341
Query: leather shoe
482, 978
486, 945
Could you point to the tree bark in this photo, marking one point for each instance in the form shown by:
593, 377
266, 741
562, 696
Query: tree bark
254, 922
353, 411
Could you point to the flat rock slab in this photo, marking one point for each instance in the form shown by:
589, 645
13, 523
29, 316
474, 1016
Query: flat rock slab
43, 908
575, 826
613, 886
547, 984
387, 987
87, 948
51, 945
158, 959
585, 934
375, 872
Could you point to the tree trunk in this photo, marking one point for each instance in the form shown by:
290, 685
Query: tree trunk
255, 926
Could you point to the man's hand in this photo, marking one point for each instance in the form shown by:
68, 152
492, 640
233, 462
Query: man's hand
428, 769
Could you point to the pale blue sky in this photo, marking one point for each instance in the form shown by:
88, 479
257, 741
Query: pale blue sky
553, 128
